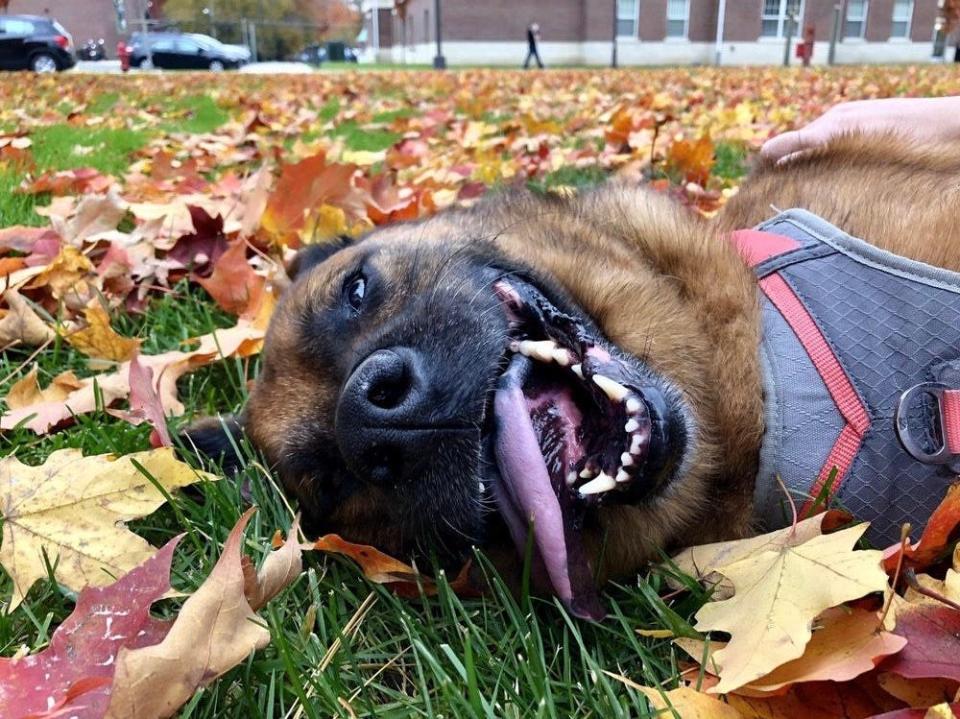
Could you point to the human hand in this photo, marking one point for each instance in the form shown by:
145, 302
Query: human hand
925, 120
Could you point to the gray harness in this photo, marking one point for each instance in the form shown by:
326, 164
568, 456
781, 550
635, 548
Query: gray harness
861, 367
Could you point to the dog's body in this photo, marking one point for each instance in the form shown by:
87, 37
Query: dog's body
675, 319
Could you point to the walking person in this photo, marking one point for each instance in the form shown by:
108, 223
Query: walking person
533, 40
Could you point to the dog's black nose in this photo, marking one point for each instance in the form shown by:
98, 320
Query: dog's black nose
382, 421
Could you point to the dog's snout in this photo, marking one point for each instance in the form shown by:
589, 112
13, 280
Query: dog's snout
382, 421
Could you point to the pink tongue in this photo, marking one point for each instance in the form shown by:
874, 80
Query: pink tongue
532, 500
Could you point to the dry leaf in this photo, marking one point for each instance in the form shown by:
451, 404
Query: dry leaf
234, 285
99, 340
278, 571
26, 391
919, 693
21, 324
145, 403
778, 592
215, 630
72, 509
687, 703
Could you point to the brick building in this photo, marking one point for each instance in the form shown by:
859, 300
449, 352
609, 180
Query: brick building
652, 32
84, 19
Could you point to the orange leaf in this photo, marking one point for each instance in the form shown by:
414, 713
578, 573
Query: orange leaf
99, 340
693, 159
233, 284
936, 537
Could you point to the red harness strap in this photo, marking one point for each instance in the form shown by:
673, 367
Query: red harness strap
756, 247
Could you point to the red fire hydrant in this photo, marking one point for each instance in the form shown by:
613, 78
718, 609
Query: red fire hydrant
123, 52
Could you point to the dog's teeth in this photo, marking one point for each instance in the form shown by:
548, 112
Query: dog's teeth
626, 459
587, 473
635, 443
623, 476
541, 350
577, 369
633, 405
613, 389
571, 478
561, 357
631, 426
603, 483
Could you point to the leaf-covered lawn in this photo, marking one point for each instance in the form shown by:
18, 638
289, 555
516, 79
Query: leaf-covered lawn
267, 164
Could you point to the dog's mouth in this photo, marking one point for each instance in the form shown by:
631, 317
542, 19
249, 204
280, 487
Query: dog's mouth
577, 423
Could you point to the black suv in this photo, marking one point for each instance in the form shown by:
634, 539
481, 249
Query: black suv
41, 44
184, 51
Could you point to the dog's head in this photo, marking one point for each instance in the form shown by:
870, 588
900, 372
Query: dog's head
438, 385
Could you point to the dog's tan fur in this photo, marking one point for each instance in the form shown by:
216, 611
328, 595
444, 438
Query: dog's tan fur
663, 284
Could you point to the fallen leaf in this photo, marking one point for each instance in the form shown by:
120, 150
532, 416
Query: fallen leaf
936, 538
814, 700
845, 644
940, 711
215, 630
99, 340
932, 632
687, 703
919, 693
92, 216
57, 680
21, 324
145, 403
693, 159
26, 391
277, 572
72, 508
778, 592
233, 284
67, 273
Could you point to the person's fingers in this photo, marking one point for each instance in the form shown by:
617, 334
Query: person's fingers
789, 143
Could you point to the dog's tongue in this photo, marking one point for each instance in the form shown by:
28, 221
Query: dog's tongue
528, 497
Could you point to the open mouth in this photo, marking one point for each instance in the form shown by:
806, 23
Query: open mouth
577, 424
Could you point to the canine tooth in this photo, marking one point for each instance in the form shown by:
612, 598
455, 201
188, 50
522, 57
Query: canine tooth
577, 369
571, 478
541, 349
633, 405
626, 459
631, 426
603, 483
561, 357
613, 389
635, 444
587, 473
622, 476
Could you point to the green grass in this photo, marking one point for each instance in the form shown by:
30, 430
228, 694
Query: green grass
730, 160
341, 646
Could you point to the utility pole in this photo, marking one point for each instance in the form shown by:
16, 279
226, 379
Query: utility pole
835, 36
613, 52
788, 28
375, 29
439, 61
721, 18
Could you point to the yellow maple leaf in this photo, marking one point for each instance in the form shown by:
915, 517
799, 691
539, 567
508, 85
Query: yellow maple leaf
99, 340
779, 590
72, 509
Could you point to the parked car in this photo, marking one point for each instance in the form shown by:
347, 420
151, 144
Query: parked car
184, 51
93, 50
317, 54
41, 44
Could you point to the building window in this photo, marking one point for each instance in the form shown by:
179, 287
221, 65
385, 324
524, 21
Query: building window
779, 15
627, 17
678, 13
856, 24
902, 17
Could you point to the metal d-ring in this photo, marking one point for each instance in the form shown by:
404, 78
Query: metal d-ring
902, 423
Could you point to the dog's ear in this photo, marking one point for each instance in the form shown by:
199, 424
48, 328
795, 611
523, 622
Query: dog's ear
312, 255
216, 438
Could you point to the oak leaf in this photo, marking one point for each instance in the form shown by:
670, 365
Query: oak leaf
779, 590
71, 509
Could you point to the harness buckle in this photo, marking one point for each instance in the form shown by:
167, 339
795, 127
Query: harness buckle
901, 420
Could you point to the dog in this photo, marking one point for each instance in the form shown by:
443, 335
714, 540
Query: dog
593, 369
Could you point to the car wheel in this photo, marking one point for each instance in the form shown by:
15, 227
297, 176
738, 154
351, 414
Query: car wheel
216, 66
42, 62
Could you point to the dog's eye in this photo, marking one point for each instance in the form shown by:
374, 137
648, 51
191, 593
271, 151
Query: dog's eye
356, 289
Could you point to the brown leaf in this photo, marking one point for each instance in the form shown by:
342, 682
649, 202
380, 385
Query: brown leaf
278, 571
233, 284
22, 324
26, 391
215, 630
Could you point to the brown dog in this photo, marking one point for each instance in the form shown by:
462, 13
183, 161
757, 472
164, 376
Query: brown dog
590, 365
